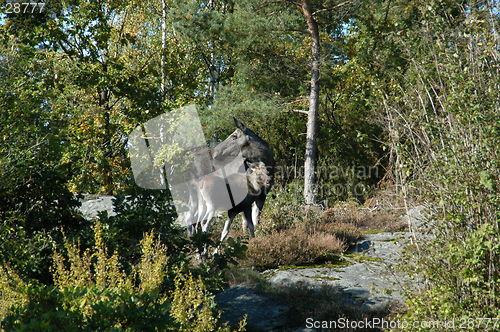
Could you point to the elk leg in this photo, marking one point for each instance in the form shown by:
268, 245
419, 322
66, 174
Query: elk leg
244, 223
206, 222
248, 216
191, 215
230, 216
202, 213
256, 208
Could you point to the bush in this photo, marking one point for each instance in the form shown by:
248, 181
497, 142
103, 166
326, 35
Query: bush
291, 234
92, 291
346, 232
443, 134
300, 245
139, 211
284, 208
34, 200
11, 294
468, 262
194, 307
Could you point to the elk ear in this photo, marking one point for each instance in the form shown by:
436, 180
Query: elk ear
239, 124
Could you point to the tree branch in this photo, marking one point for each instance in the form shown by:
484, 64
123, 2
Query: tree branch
331, 8
295, 111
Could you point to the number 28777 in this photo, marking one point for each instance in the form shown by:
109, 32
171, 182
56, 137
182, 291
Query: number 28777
23, 7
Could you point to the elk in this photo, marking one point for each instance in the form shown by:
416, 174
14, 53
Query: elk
245, 188
253, 150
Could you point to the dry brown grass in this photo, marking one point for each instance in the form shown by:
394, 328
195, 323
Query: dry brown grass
348, 233
366, 217
300, 245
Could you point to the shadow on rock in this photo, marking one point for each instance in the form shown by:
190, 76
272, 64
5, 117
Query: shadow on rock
288, 308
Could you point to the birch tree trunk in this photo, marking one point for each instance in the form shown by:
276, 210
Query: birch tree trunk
312, 117
164, 8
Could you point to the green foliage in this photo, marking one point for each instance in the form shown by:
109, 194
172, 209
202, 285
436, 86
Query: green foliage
94, 267
194, 307
270, 57
139, 211
441, 110
213, 264
43, 311
50, 309
92, 292
100, 75
11, 285
283, 209
234, 100
351, 155
408, 88
464, 282
34, 200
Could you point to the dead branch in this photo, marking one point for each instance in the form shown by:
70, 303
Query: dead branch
295, 111
331, 8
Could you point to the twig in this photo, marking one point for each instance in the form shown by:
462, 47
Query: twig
295, 111
331, 8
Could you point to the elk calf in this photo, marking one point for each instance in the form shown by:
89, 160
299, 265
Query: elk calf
246, 188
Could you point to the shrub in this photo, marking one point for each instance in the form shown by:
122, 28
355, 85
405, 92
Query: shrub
94, 267
34, 200
138, 211
92, 291
443, 133
194, 307
300, 245
346, 232
284, 208
43, 310
10, 291
468, 262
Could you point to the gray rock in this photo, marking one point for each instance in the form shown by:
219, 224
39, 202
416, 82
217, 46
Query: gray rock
361, 246
263, 313
93, 204
371, 283
416, 217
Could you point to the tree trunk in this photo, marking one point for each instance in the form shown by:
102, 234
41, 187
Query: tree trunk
214, 65
107, 172
312, 117
163, 46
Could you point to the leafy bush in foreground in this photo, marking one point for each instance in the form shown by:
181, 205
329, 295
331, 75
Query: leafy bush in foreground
92, 291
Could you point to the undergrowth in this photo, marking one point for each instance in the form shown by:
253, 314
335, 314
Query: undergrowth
92, 291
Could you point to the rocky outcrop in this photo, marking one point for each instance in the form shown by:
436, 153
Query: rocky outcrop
93, 204
369, 281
